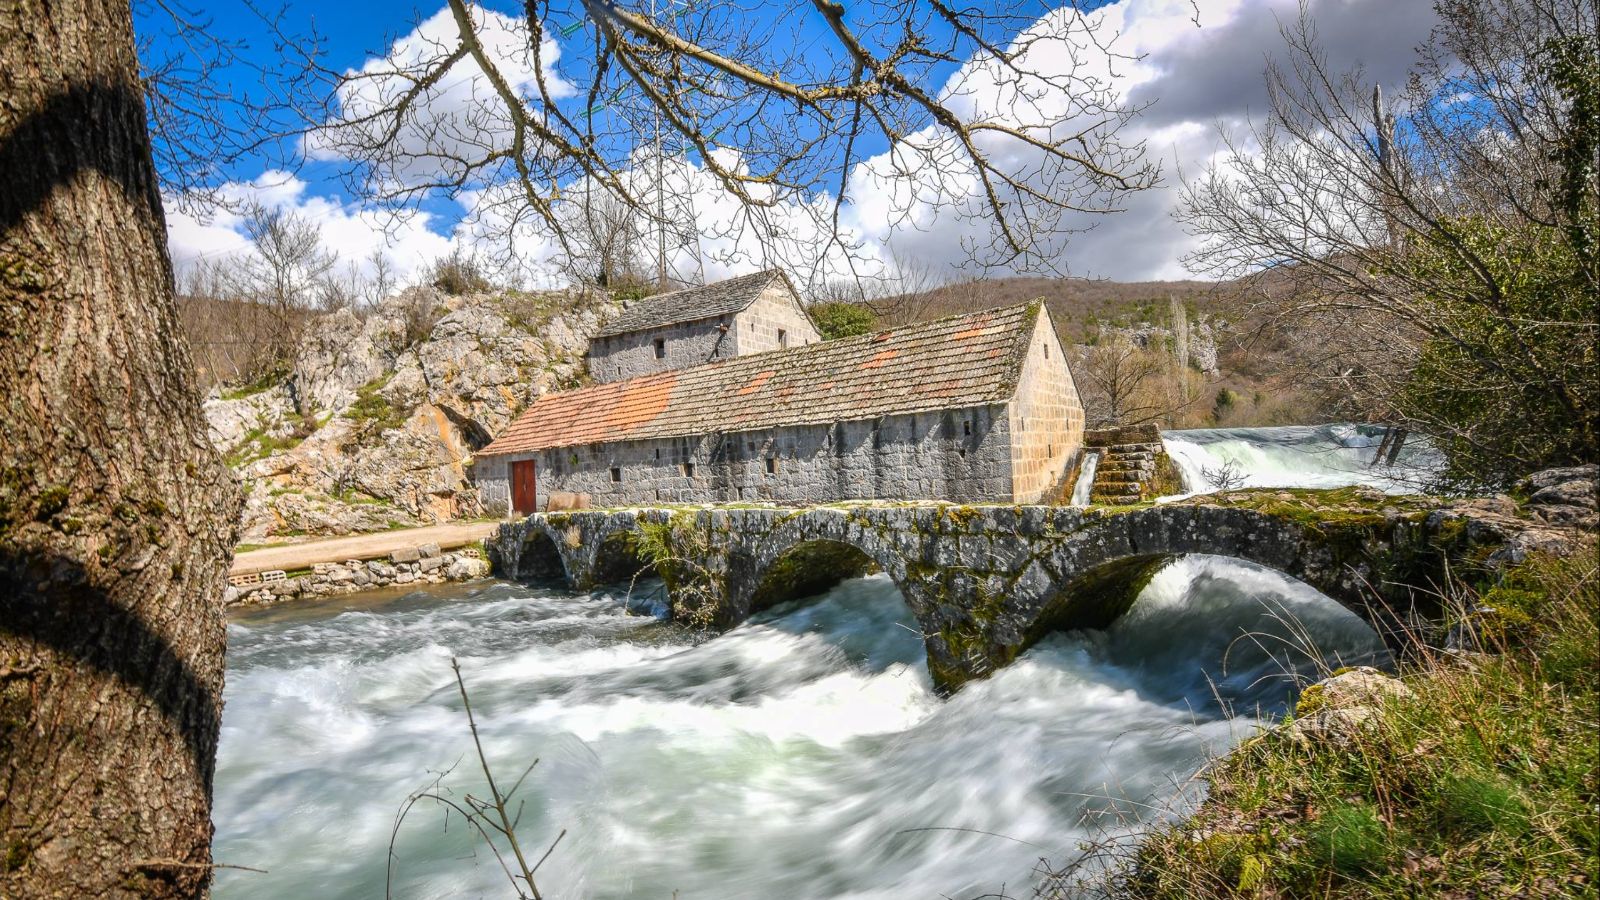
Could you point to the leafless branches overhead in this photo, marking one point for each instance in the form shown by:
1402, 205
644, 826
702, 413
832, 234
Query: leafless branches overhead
759, 117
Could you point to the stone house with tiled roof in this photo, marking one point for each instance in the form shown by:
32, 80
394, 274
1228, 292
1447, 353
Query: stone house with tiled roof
748, 314
977, 407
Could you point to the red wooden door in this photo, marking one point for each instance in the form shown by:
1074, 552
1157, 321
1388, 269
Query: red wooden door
524, 493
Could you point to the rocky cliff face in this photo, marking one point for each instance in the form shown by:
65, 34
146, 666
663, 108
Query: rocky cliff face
375, 424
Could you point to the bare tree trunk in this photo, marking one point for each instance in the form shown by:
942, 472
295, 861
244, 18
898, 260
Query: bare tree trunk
116, 517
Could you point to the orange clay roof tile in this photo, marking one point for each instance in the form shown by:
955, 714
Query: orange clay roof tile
948, 363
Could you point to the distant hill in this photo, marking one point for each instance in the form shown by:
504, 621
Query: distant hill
1254, 382
1077, 305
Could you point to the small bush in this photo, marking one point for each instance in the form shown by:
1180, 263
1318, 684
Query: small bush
459, 273
1472, 804
373, 410
841, 320
1351, 839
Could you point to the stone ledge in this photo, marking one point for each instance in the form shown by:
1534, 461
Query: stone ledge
353, 576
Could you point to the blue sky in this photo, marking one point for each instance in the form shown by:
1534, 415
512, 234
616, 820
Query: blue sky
1200, 78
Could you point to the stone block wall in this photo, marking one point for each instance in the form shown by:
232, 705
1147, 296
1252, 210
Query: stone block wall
962, 455
422, 565
685, 344
756, 327
1046, 419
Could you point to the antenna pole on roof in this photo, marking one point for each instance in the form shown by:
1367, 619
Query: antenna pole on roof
661, 193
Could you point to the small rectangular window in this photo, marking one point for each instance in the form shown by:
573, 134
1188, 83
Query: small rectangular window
783, 338
688, 470
966, 427
772, 465
1046, 351
616, 475
661, 348
658, 453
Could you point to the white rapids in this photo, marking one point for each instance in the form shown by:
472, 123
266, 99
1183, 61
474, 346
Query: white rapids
1308, 456
803, 754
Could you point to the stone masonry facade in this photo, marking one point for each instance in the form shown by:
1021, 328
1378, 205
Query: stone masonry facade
977, 407
961, 454
1046, 421
774, 319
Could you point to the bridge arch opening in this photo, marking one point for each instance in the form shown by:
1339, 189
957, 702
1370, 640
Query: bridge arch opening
1213, 629
618, 560
539, 560
807, 569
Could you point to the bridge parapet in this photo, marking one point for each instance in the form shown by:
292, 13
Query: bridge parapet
986, 582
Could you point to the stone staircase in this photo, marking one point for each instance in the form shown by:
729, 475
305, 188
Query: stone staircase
1130, 464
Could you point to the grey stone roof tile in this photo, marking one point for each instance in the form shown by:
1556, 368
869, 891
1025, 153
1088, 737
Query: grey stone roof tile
691, 304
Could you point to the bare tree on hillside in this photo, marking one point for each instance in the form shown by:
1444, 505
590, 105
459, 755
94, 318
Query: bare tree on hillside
905, 296
606, 240
117, 519
1123, 383
286, 271
1441, 251
771, 117
383, 280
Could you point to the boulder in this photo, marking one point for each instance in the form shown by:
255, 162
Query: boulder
464, 568
1336, 709
1538, 481
400, 457
406, 555
1356, 686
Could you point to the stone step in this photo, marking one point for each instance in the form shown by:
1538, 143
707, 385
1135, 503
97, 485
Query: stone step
1144, 468
1115, 499
1118, 478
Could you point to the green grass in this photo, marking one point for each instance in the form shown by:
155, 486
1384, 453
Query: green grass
262, 383
258, 444
246, 548
1483, 784
373, 409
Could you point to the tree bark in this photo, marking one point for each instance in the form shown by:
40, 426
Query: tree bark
116, 517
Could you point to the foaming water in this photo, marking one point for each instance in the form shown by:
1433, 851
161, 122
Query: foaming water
801, 755
1085, 483
1310, 456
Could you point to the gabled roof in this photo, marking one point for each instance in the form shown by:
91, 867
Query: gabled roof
724, 297
951, 363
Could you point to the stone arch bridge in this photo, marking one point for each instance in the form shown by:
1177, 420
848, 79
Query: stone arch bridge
986, 582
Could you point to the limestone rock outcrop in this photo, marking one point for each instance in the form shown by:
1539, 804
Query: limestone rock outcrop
371, 429
1337, 708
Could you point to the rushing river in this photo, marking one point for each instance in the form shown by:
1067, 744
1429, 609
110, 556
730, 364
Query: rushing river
801, 755
1311, 456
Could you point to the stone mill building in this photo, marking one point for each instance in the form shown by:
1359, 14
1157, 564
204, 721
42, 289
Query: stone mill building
976, 407
735, 317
